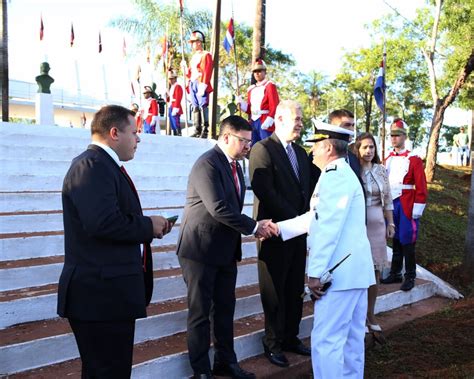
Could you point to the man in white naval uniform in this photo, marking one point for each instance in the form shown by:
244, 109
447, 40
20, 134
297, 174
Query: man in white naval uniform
336, 227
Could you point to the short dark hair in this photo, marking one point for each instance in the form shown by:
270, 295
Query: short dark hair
358, 142
340, 146
108, 117
339, 113
234, 123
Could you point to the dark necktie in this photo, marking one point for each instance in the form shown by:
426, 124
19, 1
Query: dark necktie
293, 160
145, 246
236, 177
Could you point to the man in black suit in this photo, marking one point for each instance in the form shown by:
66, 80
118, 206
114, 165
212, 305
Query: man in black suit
209, 246
280, 177
107, 278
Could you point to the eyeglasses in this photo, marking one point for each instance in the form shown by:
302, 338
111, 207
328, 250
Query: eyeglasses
242, 139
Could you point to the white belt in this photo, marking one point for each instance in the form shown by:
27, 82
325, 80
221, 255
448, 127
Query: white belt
406, 186
259, 112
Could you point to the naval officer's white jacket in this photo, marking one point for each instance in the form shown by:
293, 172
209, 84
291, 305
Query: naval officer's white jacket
336, 227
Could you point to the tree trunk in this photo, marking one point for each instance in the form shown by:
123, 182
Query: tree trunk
469, 246
258, 49
4, 62
438, 116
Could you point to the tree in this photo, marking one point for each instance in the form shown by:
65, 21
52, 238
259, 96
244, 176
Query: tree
456, 33
157, 20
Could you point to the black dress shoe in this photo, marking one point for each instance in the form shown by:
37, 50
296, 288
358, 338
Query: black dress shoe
408, 284
298, 349
278, 359
233, 370
203, 376
391, 279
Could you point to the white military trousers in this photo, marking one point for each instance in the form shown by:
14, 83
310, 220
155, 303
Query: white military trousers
337, 338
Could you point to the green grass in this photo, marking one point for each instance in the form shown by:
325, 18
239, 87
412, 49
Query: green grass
440, 246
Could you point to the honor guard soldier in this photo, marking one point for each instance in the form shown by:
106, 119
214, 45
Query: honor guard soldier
150, 111
261, 104
199, 85
174, 98
409, 193
336, 228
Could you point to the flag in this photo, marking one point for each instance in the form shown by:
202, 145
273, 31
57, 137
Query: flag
379, 88
229, 36
41, 29
164, 52
100, 44
124, 48
72, 35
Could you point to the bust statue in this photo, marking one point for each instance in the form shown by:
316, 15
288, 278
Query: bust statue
44, 80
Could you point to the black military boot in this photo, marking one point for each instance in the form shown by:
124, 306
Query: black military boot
205, 118
410, 267
197, 123
397, 263
178, 131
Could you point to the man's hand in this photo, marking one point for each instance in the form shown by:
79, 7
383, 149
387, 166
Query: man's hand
201, 89
174, 111
263, 229
416, 216
161, 226
315, 287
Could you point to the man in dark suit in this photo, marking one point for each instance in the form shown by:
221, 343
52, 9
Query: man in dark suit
209, 246
107, 278
279, 172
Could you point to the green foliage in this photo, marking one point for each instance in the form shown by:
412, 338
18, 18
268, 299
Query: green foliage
156, 20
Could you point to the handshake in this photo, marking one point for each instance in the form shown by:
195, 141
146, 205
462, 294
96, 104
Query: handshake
266, 229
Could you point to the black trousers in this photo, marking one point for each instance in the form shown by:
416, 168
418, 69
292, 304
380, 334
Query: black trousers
211, 298
106, 348
281, 274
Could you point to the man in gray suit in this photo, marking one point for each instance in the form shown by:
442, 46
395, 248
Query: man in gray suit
209, 246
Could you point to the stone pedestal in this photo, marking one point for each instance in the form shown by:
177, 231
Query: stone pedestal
44, 109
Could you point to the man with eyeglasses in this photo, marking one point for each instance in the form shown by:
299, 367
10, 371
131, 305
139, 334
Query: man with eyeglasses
409, 193
209, 247
261, 104
279, 172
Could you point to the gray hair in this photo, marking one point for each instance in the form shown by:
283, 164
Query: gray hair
340, 147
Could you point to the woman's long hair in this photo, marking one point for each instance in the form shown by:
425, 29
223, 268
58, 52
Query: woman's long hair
358, 142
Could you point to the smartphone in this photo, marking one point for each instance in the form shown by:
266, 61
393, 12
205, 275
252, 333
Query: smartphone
172, 219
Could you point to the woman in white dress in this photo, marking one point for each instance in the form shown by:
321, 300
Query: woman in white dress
379, 213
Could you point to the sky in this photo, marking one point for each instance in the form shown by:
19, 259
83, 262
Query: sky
315, 32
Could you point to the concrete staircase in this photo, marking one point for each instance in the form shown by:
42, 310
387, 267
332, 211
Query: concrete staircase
33, 341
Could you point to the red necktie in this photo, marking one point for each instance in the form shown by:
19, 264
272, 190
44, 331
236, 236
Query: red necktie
236, 177
145, 246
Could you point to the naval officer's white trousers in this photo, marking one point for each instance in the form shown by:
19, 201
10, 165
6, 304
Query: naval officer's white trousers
337, 338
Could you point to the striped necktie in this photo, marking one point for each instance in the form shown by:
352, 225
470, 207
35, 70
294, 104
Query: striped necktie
293, 160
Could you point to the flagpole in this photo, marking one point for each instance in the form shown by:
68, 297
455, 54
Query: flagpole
168, 126
384, 62
183, 65
235, 59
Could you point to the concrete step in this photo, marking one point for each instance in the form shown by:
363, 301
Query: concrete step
46, 222
165, 320
53, 167
27, 202
168, 355
39, 303
31, 275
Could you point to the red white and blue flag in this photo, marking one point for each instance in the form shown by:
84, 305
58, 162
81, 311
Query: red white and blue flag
379, 88
229, 36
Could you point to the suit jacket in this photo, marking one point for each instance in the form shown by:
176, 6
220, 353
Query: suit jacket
336, 227
279, 194
213, 221
103, 277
